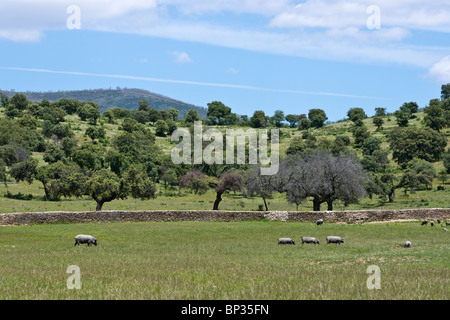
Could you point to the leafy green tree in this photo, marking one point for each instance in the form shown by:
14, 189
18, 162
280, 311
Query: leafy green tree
317, 118
53, 153
28, 121
68, 144
161, 128
435, 116
172, 126
422, 143
217, 113
293, 120
355, 114
118, 162
402, 117
89, 156
370, 145
141, 116
130, 125
164, 115
191, 116
89, 111
69, 106
445, 91
443, 176
144, 105
231, 119
19, 102
62, 131
424, 171
259, 119
24, 171
380, 112
378, 122
296, 146
388, 183
137, 184
94, 132
109, 116
412, 107
4, 100
304, 123
173, 113
51, 177
104, 186
169, 178
277, 119
360, 134
8, 155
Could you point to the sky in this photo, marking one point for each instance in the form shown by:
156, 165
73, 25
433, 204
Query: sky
249, 54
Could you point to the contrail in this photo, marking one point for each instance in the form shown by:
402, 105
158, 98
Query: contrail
195, 83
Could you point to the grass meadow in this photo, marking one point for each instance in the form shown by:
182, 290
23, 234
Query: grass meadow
224, 260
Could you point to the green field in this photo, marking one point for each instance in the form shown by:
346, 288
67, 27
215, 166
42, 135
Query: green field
224, 260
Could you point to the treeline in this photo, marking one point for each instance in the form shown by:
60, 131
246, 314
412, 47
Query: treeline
346, 168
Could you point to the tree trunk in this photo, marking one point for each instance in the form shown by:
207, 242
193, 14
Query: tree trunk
99, 205
391, 197
330, 204
47, 195
316, 204
218, 199
265, 204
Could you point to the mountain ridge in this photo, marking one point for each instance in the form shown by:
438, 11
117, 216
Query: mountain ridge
124, 98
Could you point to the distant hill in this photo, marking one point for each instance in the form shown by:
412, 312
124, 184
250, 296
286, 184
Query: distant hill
111, 98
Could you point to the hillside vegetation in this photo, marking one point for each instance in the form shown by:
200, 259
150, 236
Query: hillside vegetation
69, 155
125, 98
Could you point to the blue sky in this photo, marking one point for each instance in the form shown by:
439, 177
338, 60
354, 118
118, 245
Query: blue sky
251, 54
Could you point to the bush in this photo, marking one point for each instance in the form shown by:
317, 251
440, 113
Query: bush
19, 196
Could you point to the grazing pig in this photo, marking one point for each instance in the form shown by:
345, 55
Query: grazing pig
84, 238
334, 239
319, 222
424, 222
407, 244
310, 240
286, 241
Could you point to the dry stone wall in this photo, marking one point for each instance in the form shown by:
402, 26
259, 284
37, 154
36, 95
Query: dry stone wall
197, 215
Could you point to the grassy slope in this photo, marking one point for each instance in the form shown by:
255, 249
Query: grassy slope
421, 198
219, 260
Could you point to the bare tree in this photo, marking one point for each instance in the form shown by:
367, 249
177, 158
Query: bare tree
324, 177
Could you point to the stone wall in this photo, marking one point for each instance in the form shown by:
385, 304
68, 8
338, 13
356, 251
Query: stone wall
209, 215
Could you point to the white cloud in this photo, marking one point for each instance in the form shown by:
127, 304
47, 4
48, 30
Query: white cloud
21, 35
233, 70
181, 57
142, 60
409, 14
318, 29
441, 70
